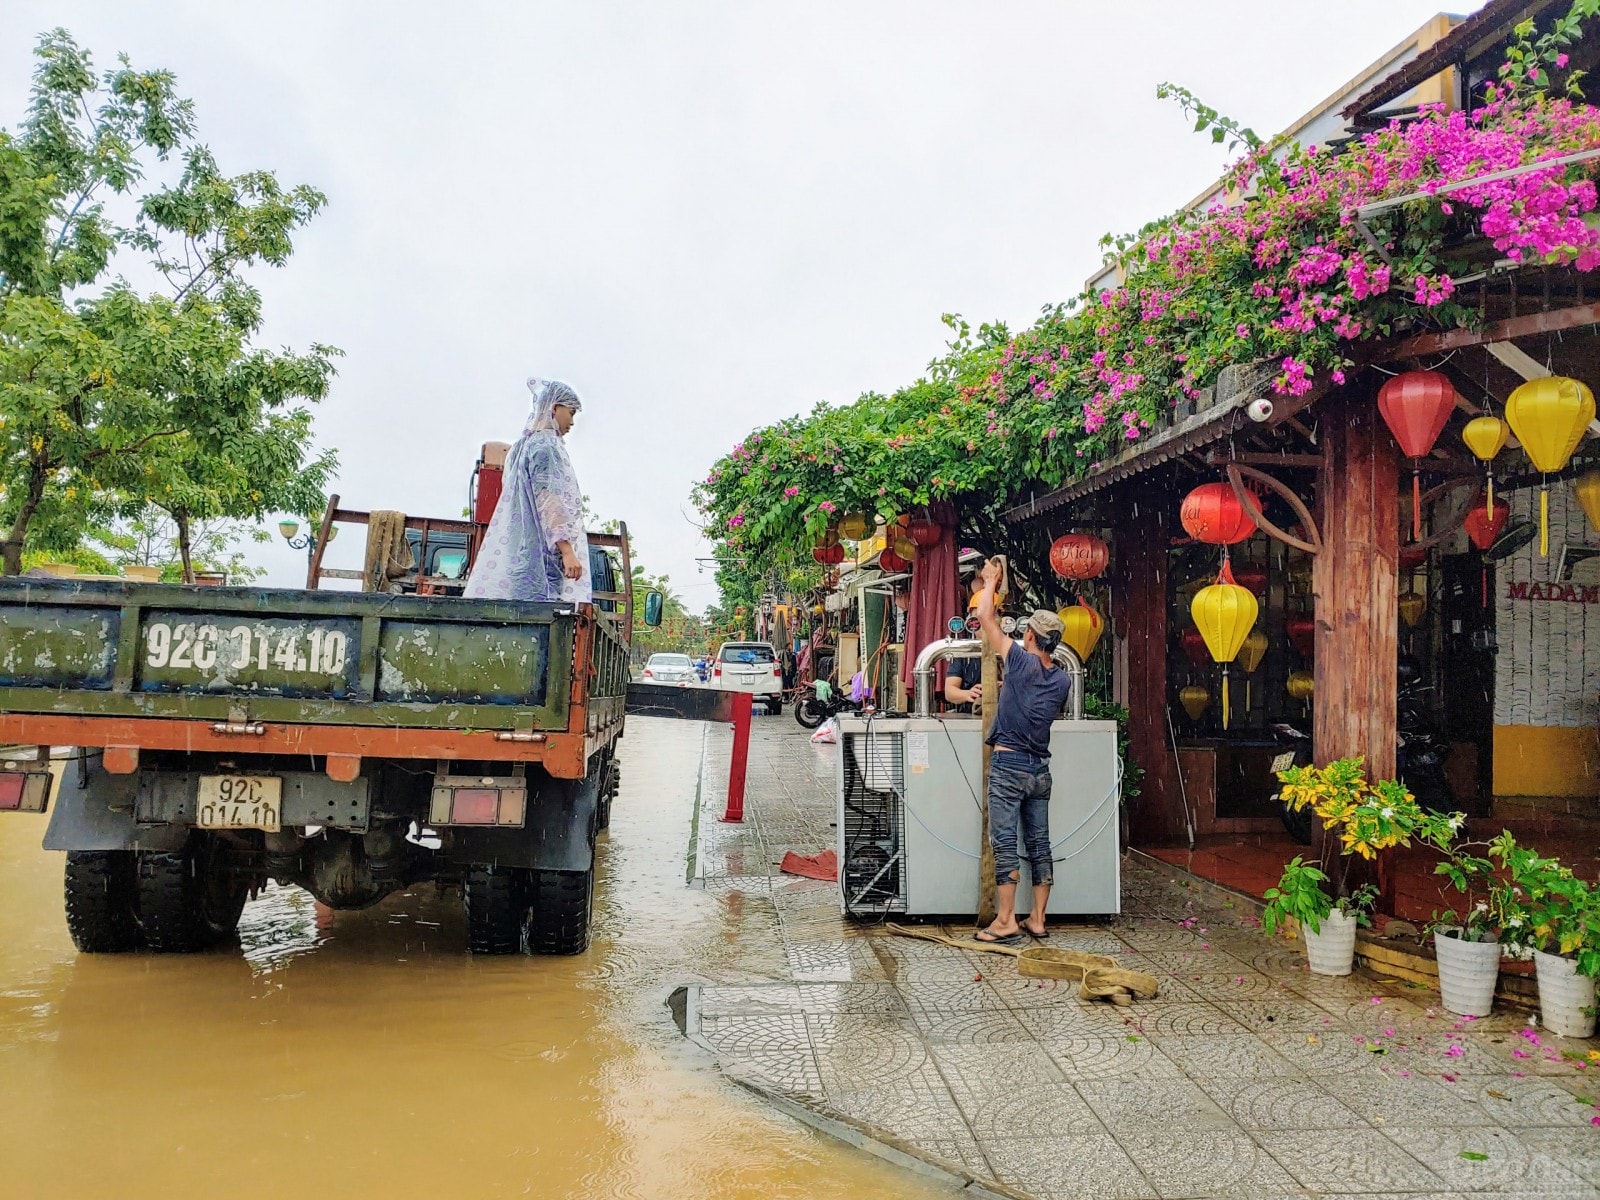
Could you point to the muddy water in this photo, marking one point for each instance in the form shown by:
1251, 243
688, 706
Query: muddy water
365, 1054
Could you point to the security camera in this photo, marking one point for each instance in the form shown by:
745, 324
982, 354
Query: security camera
1260, 410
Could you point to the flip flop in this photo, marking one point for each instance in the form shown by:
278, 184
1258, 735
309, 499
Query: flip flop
991, 939
1038, 937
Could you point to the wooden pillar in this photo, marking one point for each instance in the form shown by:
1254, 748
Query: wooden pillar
1354, 582
1139, 626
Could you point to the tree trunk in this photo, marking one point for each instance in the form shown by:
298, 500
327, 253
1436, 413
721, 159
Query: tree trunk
182, 522
11, 548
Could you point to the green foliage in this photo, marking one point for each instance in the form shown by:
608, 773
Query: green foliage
1299, 896
1538, 902
112, 400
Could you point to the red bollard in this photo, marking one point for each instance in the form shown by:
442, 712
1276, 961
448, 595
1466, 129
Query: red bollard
742, 704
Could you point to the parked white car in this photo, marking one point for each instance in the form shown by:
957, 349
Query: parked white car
670, 668
750, 667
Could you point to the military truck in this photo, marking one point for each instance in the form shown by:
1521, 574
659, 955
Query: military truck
348, 742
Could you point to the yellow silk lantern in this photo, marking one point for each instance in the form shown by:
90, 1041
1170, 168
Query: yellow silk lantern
1250, 656
1549, 417
853, 526
1224, 613
1300, 685
1412, 606
1194, 700
905, 547
1588, 489
1081, 627
1486, 437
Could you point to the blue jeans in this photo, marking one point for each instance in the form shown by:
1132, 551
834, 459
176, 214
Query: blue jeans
1019, 793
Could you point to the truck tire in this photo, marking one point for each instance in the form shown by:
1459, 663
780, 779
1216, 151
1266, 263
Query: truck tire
559, 921
99, 901
608, 793
496, 900
187, 900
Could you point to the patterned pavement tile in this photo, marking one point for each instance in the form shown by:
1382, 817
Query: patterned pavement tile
970, 1028
1097, 1056
1238, 1055
1179, 1018
1203, 1162
1543, 1058
1284, 1102
1164, 935
1030, 1109
979, 1072
1387, 1098
792, 1072
1578, 1150
914, 1116
1076, 1018
961, 1151
959, 995
1091, 1166
738, 1035
724, 999
1508, 1164
1347, 1160
1091, 939
851, 997
1136, 1103
1322, 1052
1531, 1102
1284, 1010
873, 1064
1020, 992
863, 1029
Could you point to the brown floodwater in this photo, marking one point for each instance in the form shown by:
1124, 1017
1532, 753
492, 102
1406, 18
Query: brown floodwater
366, 1054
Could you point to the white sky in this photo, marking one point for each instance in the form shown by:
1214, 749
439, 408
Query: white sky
704, 216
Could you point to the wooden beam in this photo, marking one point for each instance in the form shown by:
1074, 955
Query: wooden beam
1496, 331
1218, 458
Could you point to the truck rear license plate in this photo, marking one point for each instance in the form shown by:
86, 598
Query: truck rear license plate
1282, 763
239, 802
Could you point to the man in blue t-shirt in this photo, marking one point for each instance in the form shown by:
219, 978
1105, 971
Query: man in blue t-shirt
1019, 771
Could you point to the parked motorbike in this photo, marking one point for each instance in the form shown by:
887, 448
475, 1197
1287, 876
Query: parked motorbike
1419, 755
824, 702
1295, 751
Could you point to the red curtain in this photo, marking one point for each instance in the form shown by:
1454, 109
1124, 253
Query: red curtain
935, 595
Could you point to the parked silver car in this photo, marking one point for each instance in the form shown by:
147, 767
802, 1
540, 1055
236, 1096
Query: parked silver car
670, 668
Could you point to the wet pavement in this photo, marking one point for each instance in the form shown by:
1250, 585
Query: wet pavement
1247, 1077
367, 1054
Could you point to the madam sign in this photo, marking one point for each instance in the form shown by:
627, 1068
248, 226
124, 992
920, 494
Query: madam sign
1560, 593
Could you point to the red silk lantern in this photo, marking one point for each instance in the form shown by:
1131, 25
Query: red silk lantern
1253, 578
1410, 560
1484, 525
1415, 406
1212, 514
1079, 556
1302, 633
1194, 645
926, 533
891, 562
829, 554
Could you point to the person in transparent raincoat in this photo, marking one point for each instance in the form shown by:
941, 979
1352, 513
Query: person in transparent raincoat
535, 548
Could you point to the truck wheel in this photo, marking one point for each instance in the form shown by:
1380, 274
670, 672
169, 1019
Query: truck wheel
496, 900
189, 899
99, 901
559, 922
608, 792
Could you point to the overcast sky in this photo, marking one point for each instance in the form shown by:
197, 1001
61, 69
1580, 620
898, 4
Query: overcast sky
704, 216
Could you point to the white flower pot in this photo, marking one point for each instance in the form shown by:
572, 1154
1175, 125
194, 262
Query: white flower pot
1332, 951
1566, 999
1467, 974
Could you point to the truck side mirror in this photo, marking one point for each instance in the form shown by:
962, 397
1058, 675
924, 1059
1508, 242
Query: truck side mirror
652, 609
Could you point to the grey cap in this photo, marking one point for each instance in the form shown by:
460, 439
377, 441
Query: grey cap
1046, 626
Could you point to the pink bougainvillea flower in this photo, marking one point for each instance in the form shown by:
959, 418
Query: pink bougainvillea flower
791, 491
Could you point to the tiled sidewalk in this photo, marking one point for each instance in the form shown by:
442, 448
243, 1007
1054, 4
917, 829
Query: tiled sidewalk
1248, 1077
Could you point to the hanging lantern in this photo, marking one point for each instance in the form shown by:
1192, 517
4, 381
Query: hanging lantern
1483, 525
1194, 645
1079, 556
1250, 656
1225, 614
1588, 489
904, 548
1194, 699
1254, 578
925, 533
1081, 627
891, 562
1302, 631
1486, 437
1415, 406
1412, 606
1549, 417
829, 554
1212, 514
1413, 558
853, 526
1301, 685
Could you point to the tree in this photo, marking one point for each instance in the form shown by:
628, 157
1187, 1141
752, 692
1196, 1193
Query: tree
112, 399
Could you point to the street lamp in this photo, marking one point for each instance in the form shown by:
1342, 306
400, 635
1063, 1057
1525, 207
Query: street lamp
308, 541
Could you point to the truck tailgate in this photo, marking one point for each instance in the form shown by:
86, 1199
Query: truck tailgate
118, 649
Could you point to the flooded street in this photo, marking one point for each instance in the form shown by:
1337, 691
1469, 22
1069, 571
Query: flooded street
366, 1054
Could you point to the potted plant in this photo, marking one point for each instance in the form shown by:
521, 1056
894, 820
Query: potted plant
1556, 915
1467, 947
1327, 924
